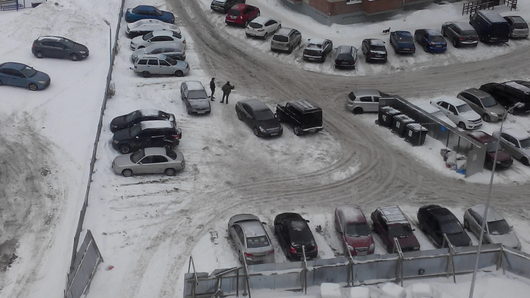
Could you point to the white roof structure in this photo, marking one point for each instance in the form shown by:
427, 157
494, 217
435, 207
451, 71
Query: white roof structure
393, 214
156, 124
149, 112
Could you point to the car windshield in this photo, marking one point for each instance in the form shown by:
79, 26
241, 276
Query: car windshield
233, 12
260, 241
28, 71
404, 37
345, 57
399, 230
170, 60
378, 48
264, 115
451, 227
437, 38
171, 154
357, 229
469, 32
314, 45
463, 108
197, 94
488, 101
299, 232
132, 116
520, 25
148, 36
255, 25
498, 227
525, 143
136, 156
280, 38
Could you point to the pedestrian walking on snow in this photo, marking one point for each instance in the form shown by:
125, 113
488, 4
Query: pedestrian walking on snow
227, 88
212, 88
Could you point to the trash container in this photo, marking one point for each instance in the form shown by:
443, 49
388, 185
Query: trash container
399, 124
385, 116
415, 134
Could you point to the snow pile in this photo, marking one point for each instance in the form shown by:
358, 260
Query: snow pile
330, 290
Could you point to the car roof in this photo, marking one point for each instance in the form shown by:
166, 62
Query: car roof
14, 65
261, 20
366, 92
284, 31
462, 25
304, 105
432, 32
255, 104
452, 100
194, 85
177, 44
482, 136
427, 107
51, 37
518, 86
492, 16
345, 49
516, 19
155, 151
376, 42
517, 133
145, 6
163, 32
352, 214
252, 228
156, 124
316, 40
403, 32
437, 210
239, 6
492, 213
149, 112
477, 92
393, 214
157, 56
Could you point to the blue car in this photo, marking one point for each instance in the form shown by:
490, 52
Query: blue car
402, 42
432, 41
141, 12
21, 75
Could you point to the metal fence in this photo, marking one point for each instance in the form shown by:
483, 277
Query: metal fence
12, 4
360, 270
452, 138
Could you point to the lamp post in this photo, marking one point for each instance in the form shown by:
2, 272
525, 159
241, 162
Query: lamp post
486, 208
110, 41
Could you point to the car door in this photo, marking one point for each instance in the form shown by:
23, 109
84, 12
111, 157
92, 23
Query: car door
159, 165
8, 78
247, 115
56, 49
17, 78
366, 102
511, 145
475, 223
452, 113
364, 47
144, 165
153, 66
165, 67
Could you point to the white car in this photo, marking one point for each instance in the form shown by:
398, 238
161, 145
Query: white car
459, 112
145, 26
156, 36
262, 27
172, 49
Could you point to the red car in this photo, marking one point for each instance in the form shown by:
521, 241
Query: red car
241, 14
391, 223
354, 230
504, 159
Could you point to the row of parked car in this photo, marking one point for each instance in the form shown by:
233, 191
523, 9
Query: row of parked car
251, 240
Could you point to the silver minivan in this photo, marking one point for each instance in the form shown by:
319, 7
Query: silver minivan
160, 64
363, 100
285, 40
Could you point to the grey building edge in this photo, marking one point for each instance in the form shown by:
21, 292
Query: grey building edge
352, 18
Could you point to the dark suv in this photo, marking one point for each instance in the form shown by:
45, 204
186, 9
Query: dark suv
391, 223
302, 115
509, 93
156, 133
460, 34
58, 47
402, 42
435, 221
374, 50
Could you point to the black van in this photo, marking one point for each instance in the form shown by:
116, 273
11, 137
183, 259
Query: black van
491, 27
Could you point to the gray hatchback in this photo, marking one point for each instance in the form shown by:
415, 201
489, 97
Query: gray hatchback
154, 160
250, 239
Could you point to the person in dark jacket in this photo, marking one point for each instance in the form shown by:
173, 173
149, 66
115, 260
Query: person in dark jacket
212, 88
227, 88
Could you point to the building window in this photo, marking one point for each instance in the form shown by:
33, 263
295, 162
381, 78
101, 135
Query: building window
353, 1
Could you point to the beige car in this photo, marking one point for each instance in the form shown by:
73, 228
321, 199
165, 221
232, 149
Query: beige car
151, 160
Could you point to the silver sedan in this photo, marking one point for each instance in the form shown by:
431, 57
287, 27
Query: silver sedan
250, 239
149, 161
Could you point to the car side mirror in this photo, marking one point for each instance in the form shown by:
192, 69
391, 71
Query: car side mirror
263, 223
307, 220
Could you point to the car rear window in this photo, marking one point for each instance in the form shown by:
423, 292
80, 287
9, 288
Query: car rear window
437, 38
264, 115
357, 229
170, 153
261, 241
255, 25
280, 38
345, 57
234, 12
469, 32
520, 25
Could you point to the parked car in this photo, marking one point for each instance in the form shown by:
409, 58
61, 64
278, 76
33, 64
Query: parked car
510, 93
156, 36
391, 223
153, 160
58, 47
431, 41
402, 42
518, 27
292, 232
517, 143
128, 120
345, 57
160, 64
258, 117
22, 75
302, 115
497, 229
484, 104
353, 228
363, 100
317, 49
435, 221
460, 34
155, 133
145, 26
262, 27
285, 40
504, 159
141, 12
435, 112
374, 50
241, 14
223, 6
459, 112
175, 50
195, 98
491, 27
249, 237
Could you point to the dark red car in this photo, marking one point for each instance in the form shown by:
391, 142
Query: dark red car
241, 14
504, 159
354, 230
391, 223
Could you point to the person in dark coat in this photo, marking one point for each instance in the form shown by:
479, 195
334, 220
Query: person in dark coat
227, 88
212, 88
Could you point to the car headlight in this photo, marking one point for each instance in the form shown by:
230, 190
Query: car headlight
494, 114
262, 129
41, 82
82, 52
372, 246
115, 141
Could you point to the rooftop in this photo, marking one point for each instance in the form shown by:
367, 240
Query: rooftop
393, 214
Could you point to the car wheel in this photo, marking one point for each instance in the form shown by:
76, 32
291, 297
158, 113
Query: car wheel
239, 116
170, 172
297, 131
466, 224
127, 173
358, 110
179, 73
461, 125
455, 44
39, 54
525, 161
74, 57
247, 35
256, 131
32, 87
486, 118
266, 35
124, 149
146, 74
